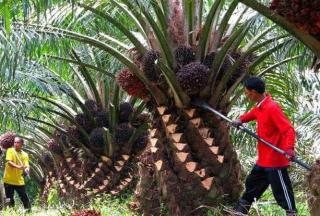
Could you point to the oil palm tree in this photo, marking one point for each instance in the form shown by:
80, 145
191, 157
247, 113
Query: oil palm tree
190, 160
93, 139
87, 124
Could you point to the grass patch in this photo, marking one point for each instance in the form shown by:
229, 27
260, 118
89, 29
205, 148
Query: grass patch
105, 203
119, 206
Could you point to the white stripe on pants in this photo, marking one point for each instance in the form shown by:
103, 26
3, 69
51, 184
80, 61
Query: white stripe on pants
285, 190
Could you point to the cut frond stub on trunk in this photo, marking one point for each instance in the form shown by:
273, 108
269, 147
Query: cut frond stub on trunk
209, 141
196, 122
181, 146
125, 157
204, 132
153, 132
106, 160
154, 149
172, 128
120, 163
201, 173
183, 157
118, 168
161, 109
166, 118
114, 192
220, 158
191, 166
215, 150
102, 187
159, 165
207, 183
190, 112
154, 142
177, 137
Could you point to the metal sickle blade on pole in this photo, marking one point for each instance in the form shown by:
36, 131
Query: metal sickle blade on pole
202, 104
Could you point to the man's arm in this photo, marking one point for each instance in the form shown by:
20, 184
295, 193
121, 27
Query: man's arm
247, 117
15, 165
26, 163
284, 126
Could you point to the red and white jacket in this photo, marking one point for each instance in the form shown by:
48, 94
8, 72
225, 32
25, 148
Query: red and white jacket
272, 126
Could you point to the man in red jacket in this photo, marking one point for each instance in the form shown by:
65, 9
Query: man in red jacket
271, 166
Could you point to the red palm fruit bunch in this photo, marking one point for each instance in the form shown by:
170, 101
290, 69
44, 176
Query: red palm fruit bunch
86, 212
305, 14
7, 139
131, 84
54, 147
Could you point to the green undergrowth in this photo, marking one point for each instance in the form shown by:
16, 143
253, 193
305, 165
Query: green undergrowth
106, 204
119, 206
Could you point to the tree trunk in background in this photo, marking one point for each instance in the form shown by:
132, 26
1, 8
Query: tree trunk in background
313, 181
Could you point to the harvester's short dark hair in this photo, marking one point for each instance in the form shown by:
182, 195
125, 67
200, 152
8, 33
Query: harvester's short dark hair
20, 139
255, 83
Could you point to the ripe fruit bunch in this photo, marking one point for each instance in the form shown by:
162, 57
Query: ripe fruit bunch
7, 139
131, 84
305, 14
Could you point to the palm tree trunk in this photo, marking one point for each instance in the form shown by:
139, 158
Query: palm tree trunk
193, 162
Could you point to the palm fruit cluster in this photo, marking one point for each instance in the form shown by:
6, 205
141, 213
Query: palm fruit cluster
184, 55
86, 212
148, 65
90, 157
192, 75
54, 147
305, 14
7, 140
131, 84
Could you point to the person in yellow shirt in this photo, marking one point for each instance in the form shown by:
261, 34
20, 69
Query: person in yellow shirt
17, 165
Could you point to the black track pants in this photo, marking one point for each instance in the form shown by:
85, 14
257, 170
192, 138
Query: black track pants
9, 189
259, 180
